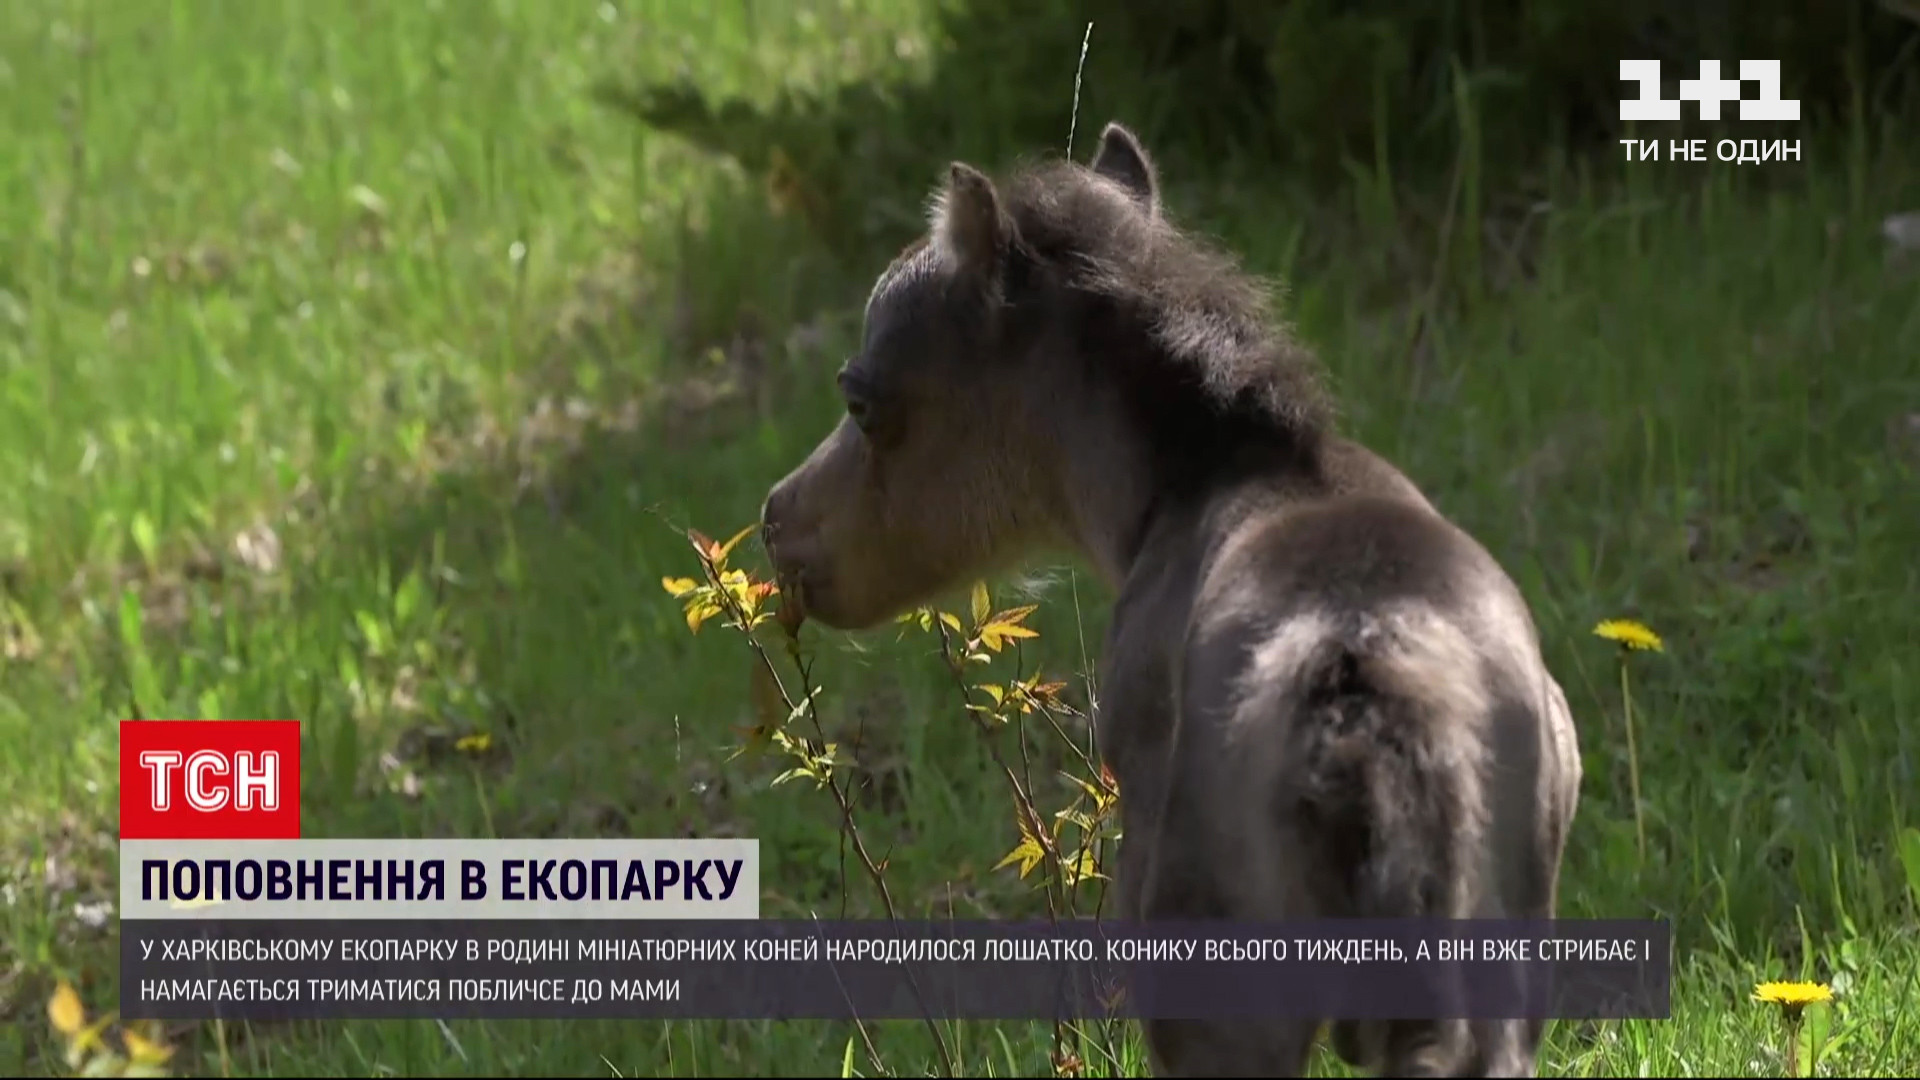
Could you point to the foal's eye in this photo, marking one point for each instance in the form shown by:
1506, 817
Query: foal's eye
859, 400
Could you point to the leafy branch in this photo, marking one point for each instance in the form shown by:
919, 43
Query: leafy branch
735, 596
142, 1049
1070, 843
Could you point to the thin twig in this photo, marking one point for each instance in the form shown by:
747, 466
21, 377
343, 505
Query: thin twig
1074, 123
1060, 891
850, 830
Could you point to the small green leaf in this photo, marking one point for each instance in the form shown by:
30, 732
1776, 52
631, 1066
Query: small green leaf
145, 538
719, 552
1028, 854
132, 615
1081, 866
371, 629
406, 600
1910, 860
794, 773
1814, 1038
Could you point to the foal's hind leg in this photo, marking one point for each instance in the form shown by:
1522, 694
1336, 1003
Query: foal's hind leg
1273, 1048
1507, 1048
1428, 1048
1457, 1048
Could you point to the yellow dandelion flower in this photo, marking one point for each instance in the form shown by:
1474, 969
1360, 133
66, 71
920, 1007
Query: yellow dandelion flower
1633, 635
474, 744
65, 1011
145, 1051
1792, 995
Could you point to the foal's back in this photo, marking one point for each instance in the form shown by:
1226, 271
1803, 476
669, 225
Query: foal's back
1366, 730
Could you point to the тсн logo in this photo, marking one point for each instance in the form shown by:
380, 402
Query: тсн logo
209, 779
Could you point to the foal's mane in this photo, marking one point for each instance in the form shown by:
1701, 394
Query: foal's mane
1205, 311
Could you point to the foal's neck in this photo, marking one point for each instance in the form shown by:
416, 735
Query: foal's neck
1118, 492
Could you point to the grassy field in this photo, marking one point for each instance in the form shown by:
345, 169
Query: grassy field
357, 365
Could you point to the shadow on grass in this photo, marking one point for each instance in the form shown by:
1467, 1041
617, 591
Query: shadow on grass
1311, 91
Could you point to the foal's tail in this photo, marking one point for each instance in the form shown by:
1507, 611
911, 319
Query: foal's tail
1387, 747
1384, 781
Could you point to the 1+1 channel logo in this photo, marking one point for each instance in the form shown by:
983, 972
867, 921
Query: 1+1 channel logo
1711, 92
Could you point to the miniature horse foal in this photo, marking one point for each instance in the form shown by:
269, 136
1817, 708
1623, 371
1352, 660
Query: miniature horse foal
1319, 696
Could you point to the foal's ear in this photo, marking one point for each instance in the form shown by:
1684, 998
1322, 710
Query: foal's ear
969, 220
1123, 160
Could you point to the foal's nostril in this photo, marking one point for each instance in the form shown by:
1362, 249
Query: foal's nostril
772, 513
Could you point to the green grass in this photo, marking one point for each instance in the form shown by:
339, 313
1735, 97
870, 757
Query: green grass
359, 368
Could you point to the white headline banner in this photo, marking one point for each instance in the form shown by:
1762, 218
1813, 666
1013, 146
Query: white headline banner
440, 879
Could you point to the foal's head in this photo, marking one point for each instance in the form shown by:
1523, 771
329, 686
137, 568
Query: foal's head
990, 346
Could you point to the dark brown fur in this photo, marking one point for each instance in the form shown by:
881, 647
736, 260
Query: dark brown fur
1319, 696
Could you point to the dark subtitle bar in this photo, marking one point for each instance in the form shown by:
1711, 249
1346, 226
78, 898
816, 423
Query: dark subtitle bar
875, 970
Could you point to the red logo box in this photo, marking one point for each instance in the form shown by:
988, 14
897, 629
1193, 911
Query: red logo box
209, 779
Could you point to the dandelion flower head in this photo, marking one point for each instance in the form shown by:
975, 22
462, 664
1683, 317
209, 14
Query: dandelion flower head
1632, 634
1793, 995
